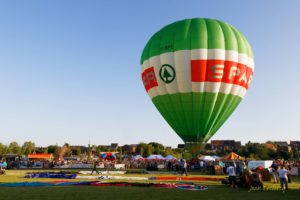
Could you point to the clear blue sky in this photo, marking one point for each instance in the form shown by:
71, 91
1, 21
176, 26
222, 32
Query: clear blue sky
69, 70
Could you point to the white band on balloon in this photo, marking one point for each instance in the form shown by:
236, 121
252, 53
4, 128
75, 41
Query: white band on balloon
182, 83
211, 54
212, 87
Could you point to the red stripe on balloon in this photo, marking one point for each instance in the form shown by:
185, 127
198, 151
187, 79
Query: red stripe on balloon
221, 71
149, 78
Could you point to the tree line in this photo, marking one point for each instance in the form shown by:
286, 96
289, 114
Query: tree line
255, 151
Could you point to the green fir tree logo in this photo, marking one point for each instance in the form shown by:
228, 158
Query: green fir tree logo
167, 73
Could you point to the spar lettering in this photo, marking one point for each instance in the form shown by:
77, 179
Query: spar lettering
221, 71
149, 79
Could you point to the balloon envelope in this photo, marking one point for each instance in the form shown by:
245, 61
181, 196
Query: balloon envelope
196, 72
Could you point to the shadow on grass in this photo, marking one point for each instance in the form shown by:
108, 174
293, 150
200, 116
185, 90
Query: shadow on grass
93, 192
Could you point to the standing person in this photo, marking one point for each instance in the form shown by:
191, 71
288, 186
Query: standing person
273, 174
289, 168
94, 167
169, 164
274, 168
232, 175
1, 167
4, 164
184, 167
201, 164
282, 172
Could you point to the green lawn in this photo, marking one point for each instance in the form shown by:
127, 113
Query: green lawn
215, 191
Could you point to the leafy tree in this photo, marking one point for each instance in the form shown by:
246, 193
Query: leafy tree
195, 149
76, 151
156, 145
65, 151
149, 151
187, 156
284, 155
103, 148
54, 149
256, 151
28, 147
141, 151
51, 148
120, 153
141, 146
273, 154
168, 152
57, 152
157, 148
14, 148
296, 154
3, 149
45, 150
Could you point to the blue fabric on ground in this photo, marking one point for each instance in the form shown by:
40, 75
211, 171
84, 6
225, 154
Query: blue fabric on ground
65, 183
86, 182
40, 184
51, 175
25, 184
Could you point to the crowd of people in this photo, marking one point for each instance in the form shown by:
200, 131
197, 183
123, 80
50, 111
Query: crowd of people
240, 175
280, 172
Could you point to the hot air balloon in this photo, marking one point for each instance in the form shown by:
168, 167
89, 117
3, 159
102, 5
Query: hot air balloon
196, 72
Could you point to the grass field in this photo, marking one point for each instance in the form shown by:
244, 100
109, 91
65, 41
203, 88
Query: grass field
215, 191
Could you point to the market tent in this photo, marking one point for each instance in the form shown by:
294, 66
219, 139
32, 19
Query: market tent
232, 156
216, 157
155, 157
137, 157
40, 156
170, 157
207, 158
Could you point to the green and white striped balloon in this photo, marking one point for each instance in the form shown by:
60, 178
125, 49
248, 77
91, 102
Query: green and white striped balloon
196, 72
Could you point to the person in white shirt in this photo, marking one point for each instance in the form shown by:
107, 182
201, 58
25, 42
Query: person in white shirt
282, 174
184, 167
232, 176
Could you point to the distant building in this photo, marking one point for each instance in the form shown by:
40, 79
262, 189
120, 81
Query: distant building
40, 149
168, 148
227, 145
10, 157
114, 146
282, 146
104, 147
295, 145
271, 146
207, 146
83, 149
129, 148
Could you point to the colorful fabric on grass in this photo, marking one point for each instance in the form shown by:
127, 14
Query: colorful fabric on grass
182, 178
50, 175
192, 187
186, 186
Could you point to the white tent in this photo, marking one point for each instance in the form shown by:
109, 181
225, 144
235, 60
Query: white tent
170, 157
207, 158
155, 157
137, 157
